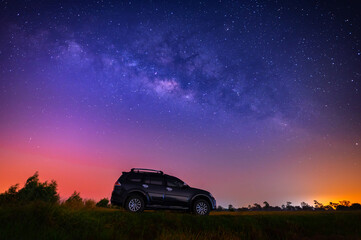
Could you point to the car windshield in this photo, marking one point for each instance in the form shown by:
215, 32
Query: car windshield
183, 183
175, 182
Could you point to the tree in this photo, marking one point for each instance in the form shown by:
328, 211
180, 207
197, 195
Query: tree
230, 208
355, 206
266, 205
74, 200
33, 190
306, 206
344, 205
256, 207
9, 196
277, 208
333, 205
318, 205
289, 206
103, 203
328, 208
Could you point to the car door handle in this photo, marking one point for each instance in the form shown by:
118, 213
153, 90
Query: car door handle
145, 185
169, 189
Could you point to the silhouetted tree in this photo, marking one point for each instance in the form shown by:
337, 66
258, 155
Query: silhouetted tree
306, 206
74, 200
266, 205
333, 206
10, 196
220, 208
230, 208
33, 190
276, 208
256, 207
341, 208
345, 203
297, 208
289, 206
355, 206
103, 203
318, 205
328, 208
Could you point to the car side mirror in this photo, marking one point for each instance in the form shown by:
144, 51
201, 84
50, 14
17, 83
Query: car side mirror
185, 185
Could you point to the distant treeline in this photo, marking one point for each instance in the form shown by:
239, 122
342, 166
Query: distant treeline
341, 205
36, 191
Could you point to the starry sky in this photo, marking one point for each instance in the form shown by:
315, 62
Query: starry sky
251, 100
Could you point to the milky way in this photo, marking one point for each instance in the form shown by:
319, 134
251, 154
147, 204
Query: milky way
257, 89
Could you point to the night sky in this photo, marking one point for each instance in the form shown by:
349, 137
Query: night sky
250, 100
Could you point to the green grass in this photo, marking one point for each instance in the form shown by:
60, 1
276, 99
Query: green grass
45, 221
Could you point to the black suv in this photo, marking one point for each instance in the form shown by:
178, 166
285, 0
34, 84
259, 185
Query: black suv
142, 189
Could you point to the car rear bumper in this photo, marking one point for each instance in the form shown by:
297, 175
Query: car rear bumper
117, 198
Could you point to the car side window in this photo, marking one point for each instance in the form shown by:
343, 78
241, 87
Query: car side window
174, 182
154, 180
136, 178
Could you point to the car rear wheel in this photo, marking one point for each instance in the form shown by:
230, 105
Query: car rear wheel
201, 207
135, 203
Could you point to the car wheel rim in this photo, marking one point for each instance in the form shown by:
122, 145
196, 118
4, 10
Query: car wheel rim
134, 204
201, 208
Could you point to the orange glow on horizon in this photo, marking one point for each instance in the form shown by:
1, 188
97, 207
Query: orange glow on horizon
95, 180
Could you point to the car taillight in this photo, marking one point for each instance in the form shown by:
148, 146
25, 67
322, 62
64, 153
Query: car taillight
117, 183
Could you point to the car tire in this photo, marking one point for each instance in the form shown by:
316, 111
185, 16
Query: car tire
135, 204
201, 207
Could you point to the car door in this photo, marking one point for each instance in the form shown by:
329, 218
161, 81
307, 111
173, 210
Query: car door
176, 194
155, 187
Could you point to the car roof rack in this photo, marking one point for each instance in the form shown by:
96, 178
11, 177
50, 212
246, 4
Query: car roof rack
145, 170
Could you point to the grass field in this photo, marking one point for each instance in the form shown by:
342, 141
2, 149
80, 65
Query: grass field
45, 221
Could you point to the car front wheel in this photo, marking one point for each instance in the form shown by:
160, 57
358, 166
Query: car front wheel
201, 207
135, 203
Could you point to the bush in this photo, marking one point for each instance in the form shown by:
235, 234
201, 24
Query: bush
33, 190
355, 206
10, 196
74, 201
89, 203
103, 203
